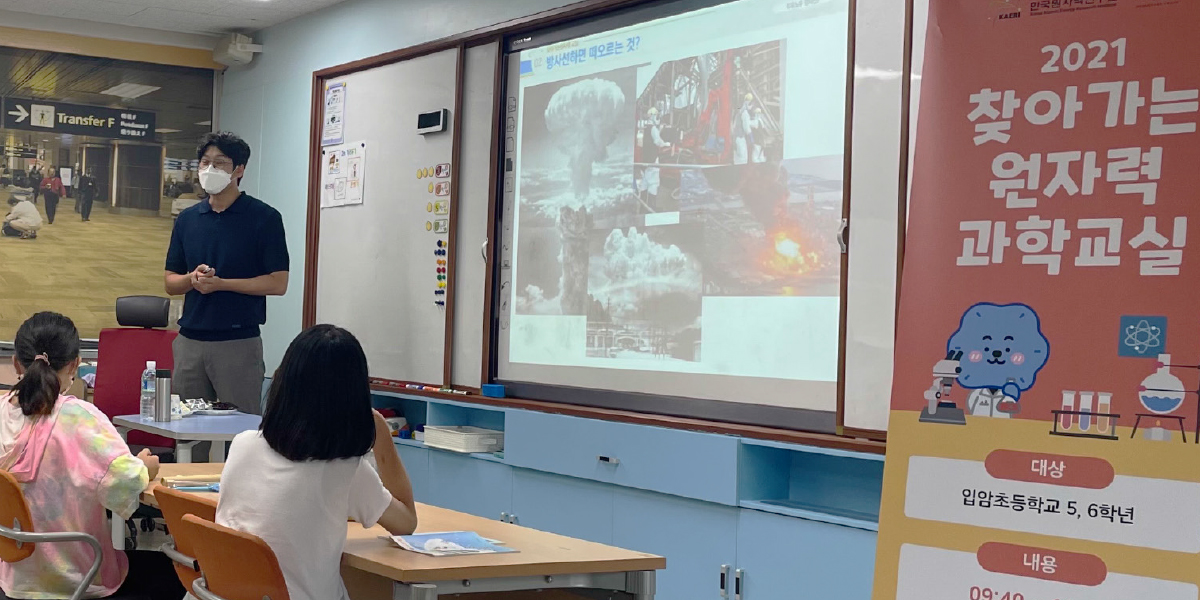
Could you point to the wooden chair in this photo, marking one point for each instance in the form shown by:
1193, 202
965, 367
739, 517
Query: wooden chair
175, 505
234, 565
17, 542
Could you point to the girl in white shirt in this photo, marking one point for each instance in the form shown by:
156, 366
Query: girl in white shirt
294, 482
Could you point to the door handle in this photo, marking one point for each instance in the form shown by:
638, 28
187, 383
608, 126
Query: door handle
724, 581
737, 584
483, 250
842, 239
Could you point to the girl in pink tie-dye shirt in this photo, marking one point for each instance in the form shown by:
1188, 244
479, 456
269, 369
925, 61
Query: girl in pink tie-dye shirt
71, 464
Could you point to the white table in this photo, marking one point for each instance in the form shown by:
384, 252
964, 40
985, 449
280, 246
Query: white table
187, 431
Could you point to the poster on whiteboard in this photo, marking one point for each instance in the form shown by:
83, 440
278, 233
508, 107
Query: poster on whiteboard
343, 174
334, 123
1044, 437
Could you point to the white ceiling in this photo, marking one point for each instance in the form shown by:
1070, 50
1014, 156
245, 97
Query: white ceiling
186, 16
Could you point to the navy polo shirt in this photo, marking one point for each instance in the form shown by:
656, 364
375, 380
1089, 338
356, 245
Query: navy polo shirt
244, 241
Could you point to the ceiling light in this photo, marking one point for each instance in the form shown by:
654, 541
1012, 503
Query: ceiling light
129, 91
167, 130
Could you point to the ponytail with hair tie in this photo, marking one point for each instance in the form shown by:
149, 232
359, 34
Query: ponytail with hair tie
58, 340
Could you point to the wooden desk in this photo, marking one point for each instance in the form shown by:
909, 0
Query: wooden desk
545, 561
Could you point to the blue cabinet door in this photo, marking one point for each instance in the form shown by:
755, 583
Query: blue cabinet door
567, 506
697, 538
416, 463
786, 557
466, 484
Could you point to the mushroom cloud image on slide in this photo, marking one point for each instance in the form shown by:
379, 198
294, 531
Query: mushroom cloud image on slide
641, 278
584, 118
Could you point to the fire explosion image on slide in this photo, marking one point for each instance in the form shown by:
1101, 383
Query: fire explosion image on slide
770, 229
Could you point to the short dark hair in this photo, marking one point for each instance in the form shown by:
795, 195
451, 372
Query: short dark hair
319, 404
45, 344
229, 144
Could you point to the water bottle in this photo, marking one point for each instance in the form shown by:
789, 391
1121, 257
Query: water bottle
148, 387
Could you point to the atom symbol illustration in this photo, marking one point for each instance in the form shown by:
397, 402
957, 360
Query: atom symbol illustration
1143, 336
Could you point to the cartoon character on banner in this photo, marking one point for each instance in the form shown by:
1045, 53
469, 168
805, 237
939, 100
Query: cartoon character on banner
996, 353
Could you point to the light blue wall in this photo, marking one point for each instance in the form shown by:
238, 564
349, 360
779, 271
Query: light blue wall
268, 104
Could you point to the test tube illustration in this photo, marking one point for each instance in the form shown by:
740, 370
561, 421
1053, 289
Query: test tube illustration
1103, 407
1067, 420
1085, 410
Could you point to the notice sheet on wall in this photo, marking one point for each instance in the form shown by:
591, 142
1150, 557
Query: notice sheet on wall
332, 131
343, 174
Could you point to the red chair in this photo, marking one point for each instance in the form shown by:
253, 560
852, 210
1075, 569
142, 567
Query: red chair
122, 355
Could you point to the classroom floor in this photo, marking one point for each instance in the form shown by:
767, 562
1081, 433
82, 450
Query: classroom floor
80, 269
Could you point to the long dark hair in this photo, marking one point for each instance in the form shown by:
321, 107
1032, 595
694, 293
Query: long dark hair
319, 404
46, 343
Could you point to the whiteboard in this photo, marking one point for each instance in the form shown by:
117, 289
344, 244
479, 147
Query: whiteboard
874, 213
376, 263
474, 175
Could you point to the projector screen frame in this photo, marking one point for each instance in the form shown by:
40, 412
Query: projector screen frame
760, 414
499, 34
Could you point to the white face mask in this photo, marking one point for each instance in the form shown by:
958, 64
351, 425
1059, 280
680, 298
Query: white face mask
214, 181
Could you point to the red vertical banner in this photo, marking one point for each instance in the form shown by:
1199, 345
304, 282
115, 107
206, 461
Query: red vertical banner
1044, 440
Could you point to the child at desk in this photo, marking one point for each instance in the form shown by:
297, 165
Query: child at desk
294, 482
72, 465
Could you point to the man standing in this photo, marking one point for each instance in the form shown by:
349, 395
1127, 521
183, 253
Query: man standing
85, 190
227, 254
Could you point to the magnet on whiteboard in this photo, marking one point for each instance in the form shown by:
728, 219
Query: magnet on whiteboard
442, 171
428, 207
428, 226
420, 173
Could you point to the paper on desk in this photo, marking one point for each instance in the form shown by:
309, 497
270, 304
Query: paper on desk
214, 478
450, 543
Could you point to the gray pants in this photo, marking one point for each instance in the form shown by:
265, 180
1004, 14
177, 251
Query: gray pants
227, 371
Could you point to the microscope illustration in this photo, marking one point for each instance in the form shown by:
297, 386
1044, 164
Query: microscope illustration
940, 408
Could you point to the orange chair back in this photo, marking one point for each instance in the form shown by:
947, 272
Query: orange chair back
236, 565
174, 505
14, 514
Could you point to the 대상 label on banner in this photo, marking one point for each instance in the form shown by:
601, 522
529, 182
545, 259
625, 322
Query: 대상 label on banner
1137, 511
1043, 439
